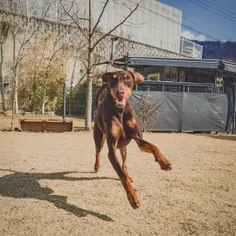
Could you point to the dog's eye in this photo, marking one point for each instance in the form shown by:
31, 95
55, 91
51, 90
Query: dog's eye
114, 82
127, 78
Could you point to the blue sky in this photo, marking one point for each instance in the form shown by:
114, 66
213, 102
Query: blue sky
206, 22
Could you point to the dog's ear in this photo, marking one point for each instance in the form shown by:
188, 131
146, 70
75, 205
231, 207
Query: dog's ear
138, 78
106, 77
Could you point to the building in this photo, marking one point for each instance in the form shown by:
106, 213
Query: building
152, 31
196, 94
154, 23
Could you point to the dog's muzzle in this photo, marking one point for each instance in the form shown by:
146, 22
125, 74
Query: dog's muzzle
120, 102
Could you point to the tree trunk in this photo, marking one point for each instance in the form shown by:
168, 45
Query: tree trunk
15, 79
1, 81
89, 94
16, 93
71, 89
89, 91
70, 102
43, 106
13, 104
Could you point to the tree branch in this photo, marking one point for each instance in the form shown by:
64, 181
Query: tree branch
105, 35
99, 18
73, 19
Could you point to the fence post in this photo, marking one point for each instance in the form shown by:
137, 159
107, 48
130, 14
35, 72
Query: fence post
234, 110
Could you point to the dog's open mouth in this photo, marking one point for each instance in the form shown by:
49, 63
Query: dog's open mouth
120, 102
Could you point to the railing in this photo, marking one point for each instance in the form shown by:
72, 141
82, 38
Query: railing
190, 49
175, 87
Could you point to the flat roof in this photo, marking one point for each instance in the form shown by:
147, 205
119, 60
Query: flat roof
140, 62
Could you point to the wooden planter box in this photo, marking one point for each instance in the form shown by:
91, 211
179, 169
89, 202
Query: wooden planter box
55, 126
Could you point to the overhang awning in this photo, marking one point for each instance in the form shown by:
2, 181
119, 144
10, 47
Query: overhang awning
229, 66
140, 62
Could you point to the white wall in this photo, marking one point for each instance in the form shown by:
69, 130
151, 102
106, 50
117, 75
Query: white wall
153, 23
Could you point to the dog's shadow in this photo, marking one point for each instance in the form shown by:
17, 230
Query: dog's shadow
26, 185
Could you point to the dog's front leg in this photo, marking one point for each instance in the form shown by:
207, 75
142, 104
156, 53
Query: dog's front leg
125, 180
150, 148
123, 153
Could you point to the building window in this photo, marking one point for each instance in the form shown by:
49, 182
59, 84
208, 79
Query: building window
154, 76
151, 73
170, 74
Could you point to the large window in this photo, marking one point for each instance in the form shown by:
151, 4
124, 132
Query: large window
170, 74
151, 73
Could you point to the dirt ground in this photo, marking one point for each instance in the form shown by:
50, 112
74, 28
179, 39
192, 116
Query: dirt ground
48, 187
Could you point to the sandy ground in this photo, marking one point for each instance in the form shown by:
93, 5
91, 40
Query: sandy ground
48, 187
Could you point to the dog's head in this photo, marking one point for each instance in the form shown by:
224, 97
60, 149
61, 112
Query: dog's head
121, 84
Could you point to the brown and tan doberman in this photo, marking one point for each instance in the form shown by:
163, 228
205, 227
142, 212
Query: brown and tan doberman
117, 123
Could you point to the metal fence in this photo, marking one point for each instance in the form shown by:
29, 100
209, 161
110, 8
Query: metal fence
76, 106
162, 86
184, 112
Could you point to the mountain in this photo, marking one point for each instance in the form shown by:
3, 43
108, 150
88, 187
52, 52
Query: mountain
218, 49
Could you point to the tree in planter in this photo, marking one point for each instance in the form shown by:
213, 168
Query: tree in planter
93, 37
3, 36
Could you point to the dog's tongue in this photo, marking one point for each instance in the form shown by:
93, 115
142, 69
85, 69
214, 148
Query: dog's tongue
120, 102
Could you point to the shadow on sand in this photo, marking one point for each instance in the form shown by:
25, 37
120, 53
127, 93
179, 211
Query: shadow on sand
26, 185
223, 137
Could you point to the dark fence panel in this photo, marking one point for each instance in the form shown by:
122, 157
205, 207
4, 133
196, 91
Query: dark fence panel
167, 116
204, 112
77, 106
182, 111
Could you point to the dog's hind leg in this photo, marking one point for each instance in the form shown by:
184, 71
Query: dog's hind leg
150, 148
99, 139
123, 153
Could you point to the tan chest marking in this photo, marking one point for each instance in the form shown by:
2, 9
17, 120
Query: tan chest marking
116, 129
132, 122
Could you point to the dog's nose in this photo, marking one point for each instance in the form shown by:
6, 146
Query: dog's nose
120, 93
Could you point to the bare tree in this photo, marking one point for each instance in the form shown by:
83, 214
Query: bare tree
147, 112
60, 44
22, 30
93, 36
3, 37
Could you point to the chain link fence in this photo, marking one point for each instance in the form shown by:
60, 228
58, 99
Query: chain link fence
75, 111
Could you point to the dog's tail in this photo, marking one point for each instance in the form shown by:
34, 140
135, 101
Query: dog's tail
99, 94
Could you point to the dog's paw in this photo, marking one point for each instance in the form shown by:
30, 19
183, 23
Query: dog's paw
135, 203
166, 166
131, 194
163, 162
96, 168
